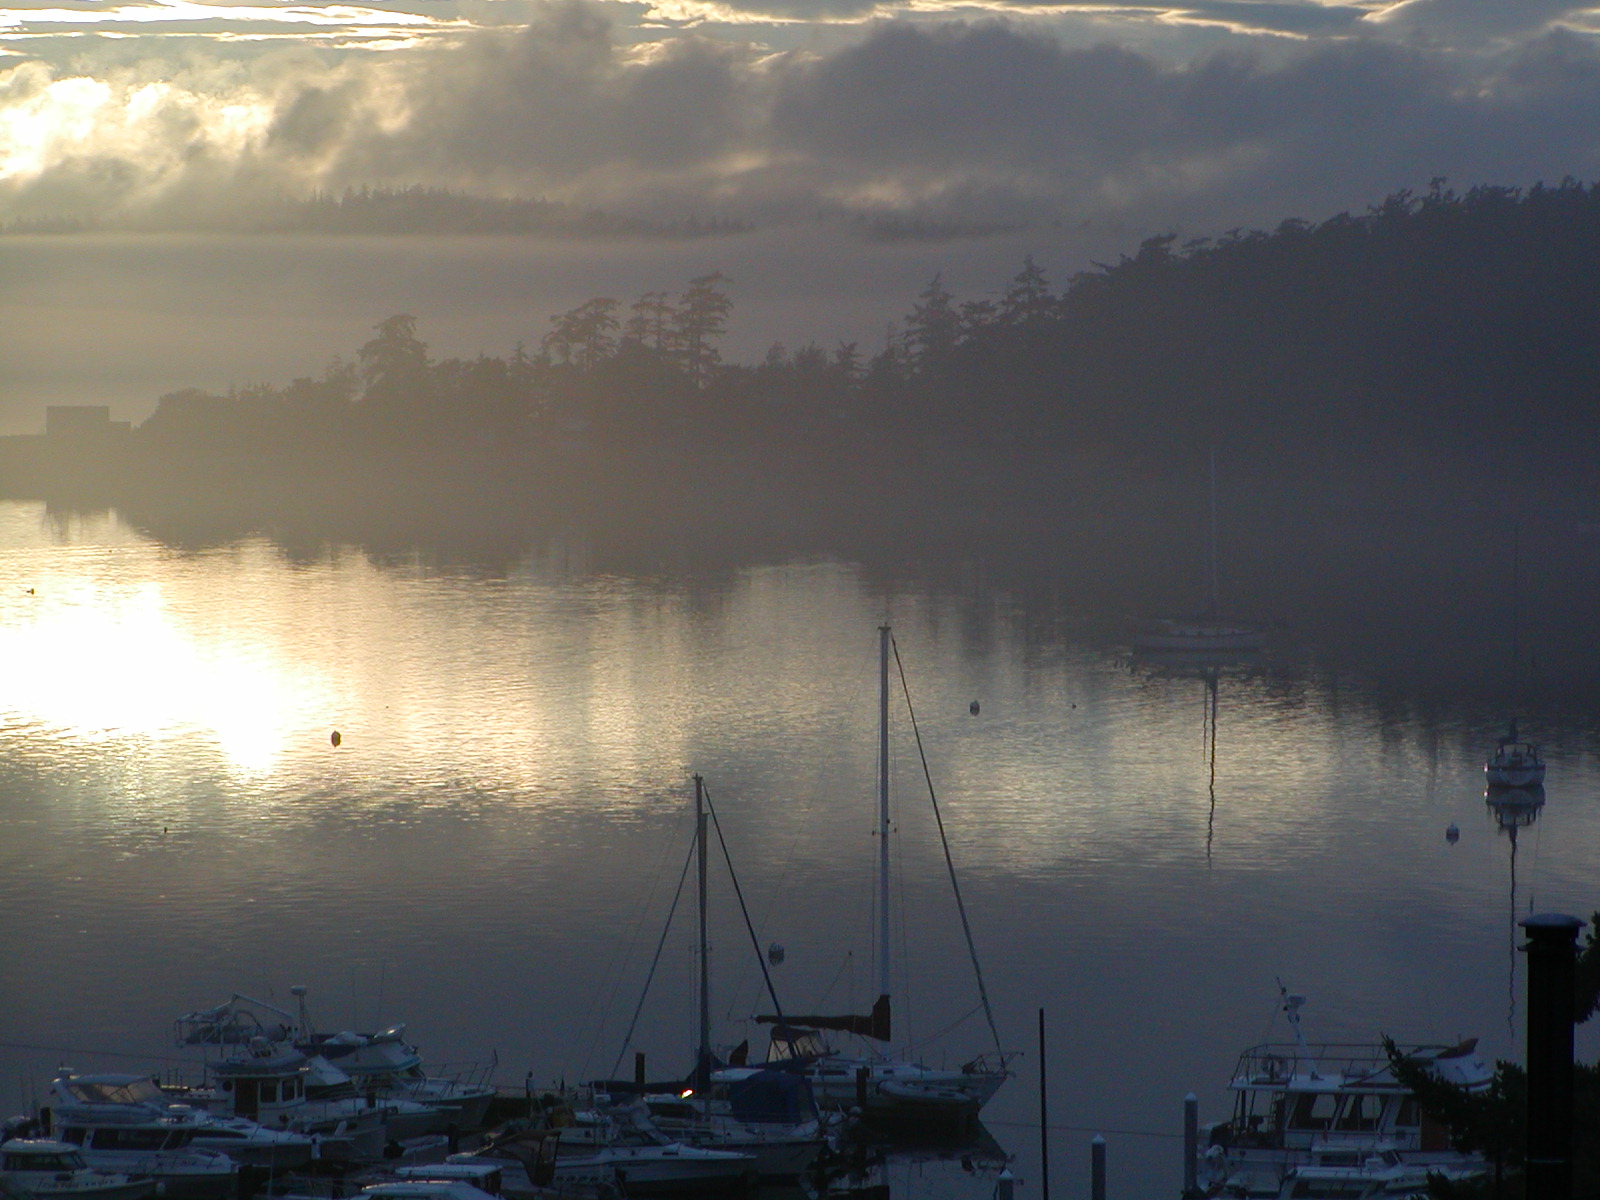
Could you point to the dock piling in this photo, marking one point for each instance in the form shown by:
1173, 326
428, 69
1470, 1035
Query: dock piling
1191, 1145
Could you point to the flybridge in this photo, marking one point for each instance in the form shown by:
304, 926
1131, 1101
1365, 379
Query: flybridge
1331, 1066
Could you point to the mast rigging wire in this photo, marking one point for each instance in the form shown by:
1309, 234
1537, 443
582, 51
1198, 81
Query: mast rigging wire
627, 1039
755, 942
944, 842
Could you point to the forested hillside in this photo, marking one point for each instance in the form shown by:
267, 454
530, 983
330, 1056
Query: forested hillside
1400, 387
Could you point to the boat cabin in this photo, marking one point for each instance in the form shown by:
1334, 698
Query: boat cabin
126, 1138
40, 1154
268, 1088
1294, 1097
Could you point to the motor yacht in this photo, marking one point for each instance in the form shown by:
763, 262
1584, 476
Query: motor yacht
45, 1169
81, 1105
266, 1083
1293, 1101
1382, 1174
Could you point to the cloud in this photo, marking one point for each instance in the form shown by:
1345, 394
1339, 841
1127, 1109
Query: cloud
996, 121
1455, 21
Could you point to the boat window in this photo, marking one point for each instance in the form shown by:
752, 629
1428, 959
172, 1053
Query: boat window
73, 1134
128, 1139
130, 1091
1410, 1112
291, 1089
43, 1162
269, 1092
1361, 1112
1328, 1189
1313, 1110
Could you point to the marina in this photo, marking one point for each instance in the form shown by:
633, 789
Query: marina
488, 854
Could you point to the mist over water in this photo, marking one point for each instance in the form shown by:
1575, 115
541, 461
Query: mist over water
123, 319
490, 851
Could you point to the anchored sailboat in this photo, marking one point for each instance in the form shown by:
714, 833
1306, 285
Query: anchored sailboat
1515, 762
881, 1085
1206, 633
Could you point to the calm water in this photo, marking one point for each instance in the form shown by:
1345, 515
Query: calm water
490, 852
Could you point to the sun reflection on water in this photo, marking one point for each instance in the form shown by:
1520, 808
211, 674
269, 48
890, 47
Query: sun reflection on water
99, 658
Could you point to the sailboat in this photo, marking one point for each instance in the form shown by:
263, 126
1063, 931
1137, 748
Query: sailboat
881, 1086
1515, 762
1206, 633
767, 1115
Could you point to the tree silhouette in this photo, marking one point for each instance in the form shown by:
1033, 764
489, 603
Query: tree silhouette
701, 318
933, 326
582, 336
394, 365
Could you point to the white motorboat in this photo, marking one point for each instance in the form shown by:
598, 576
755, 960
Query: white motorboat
1380, 1174
403, 1119
385, 1063
140, 1139
444, 1181
1294, 1101
637, 1167
885, 1087
81, 1104
44, 1169
770, 1115
266, 1083
266, 1080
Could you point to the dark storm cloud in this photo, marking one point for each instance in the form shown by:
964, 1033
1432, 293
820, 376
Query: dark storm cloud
1093, 129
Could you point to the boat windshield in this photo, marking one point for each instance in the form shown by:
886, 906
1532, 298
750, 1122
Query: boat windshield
58, 1160
137, 1090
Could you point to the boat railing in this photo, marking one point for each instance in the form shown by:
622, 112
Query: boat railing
476, 1074
996, 1062
1276, 1064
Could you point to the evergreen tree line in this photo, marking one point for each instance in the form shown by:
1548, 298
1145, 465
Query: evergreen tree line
1452, 322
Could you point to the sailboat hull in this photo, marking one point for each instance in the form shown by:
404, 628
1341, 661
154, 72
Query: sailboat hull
1199, 638
896, 1091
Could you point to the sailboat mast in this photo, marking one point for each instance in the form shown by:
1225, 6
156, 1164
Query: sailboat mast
883, 810
1213, 547
703, 1057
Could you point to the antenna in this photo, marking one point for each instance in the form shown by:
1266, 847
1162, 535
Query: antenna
1292, 1004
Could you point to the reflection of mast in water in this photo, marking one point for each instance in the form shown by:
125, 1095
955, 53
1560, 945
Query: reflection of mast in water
1514, 808
1208, 667
1210, 744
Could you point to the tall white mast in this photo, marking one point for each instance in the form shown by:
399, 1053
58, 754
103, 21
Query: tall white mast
883, 810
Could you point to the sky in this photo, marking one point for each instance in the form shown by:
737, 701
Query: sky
1200, 116
1061, 129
